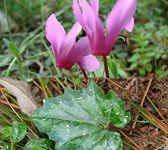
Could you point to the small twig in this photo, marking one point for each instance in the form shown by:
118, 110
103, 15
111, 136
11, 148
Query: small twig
66, 83
112, 128
106, 66
84, 74
37, 85
3, 89
147, 89
34, 128
56, 88
14, 106
141, 104
115, 84
58, 81
136, 83
138, 147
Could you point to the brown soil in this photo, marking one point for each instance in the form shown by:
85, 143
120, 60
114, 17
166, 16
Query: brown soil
147, 135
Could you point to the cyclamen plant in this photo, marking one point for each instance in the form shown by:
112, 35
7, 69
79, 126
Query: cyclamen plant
85, 119
68, 53
120, 17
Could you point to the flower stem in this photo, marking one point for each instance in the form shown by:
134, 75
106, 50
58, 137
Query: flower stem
84, 74
11, 144
106, 66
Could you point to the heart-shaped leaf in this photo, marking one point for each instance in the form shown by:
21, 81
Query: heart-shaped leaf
15, 133
18, 132
80, 119
38, 144
6, 132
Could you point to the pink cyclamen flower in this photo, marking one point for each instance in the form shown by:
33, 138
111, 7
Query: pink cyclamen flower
119, 18
68, 53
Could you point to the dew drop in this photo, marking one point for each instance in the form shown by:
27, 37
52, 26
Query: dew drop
84, 134
105, 144
60, 102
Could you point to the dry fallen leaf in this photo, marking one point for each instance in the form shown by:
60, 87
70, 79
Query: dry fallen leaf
21, 91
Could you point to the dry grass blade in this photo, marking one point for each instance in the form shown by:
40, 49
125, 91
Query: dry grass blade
14, 106
21, 91
157, 121
160, 114
43, 88
16, 112
141, 104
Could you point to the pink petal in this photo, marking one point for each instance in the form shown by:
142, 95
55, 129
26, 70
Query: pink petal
70, 39
118, 19
92, 24
79, 17
89, 63
77, 12
95, 5
73, 33
130, 25
82, 48
55, 33
97, 40
88, 14
66, 54
95, 25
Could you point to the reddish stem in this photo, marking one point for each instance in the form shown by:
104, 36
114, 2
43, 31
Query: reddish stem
106, 66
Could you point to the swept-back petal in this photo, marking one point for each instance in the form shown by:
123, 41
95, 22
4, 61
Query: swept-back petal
97, 41
78, 14
68, 44
95, 5
72, 35
89, 63
89, 14
130, 25
118, 19
55, 33
93, 26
